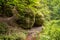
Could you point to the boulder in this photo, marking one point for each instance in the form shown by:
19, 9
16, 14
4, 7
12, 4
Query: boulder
26, 19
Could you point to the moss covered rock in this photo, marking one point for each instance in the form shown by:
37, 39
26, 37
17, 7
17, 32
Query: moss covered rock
26, 19
39, 19
6, 11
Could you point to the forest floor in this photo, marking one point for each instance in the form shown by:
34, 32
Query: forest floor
31, 32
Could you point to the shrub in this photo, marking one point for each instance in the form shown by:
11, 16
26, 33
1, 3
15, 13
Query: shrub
3, 28
51, 31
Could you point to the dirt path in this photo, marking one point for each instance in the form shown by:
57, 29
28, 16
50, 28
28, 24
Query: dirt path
33, 32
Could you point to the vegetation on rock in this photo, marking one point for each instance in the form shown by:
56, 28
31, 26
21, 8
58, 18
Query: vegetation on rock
5, 9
